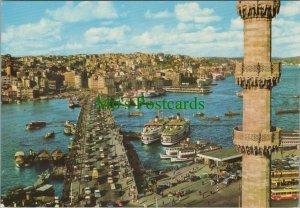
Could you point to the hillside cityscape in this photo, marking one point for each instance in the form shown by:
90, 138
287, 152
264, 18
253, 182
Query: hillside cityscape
32, 77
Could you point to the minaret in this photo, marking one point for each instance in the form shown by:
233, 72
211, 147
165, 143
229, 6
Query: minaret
256, 139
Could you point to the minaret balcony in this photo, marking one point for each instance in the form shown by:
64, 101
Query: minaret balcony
256, 142
261, 75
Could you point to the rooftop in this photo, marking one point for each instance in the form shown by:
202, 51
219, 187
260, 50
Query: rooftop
221, 154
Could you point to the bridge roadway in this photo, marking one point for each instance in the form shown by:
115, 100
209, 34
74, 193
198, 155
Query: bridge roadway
99, 148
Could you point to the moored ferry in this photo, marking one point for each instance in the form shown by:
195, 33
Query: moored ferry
153, 129
171, 152
174, 131
184, 155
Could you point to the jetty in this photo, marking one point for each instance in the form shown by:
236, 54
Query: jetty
198, 90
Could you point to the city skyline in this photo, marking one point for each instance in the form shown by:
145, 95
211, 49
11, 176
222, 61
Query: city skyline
190, 28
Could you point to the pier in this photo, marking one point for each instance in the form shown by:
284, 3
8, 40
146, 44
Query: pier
188, 90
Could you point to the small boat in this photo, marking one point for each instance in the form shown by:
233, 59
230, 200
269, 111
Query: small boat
287, 111
296, 96
216, 118
19, 159
184, 159
135, 113
69, 123
164, 156
49, 135
36, 125
199, 114
30, 158
74, 103
230, 113
239, 94
67, 130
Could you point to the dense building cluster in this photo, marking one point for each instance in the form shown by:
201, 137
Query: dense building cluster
30, 77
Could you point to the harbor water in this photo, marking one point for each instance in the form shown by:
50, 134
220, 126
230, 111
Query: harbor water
15, 137
222, 99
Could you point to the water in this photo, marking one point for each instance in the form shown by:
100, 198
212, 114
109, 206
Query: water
14, 137
221, 100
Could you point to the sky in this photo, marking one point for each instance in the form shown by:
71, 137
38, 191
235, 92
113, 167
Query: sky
198, 29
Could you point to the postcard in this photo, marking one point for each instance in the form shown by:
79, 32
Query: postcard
150, 103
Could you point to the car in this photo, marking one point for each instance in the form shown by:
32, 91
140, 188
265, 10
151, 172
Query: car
112, 186
233, 177
110, 204
97, 193
227, 181
87, 190
119, 203
110, 180
102, 164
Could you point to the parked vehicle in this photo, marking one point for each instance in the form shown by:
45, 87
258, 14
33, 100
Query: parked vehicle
97, 193
87, 190
227, 181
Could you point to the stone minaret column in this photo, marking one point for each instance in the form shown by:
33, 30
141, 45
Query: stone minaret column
256, 139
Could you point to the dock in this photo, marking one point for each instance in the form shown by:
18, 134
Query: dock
188, 90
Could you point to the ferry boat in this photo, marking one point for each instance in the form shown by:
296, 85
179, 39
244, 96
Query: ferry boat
287, 111
170, 153
174, 131
49, 135
153, 129
19, 159
150, 93
35, 125
135, 113
184, 155
230, 113
199, 114
204, 80
218, 76
216, 118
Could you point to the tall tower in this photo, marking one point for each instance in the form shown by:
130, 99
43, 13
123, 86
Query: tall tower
256, 139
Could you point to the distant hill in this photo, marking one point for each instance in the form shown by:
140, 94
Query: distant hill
288, 61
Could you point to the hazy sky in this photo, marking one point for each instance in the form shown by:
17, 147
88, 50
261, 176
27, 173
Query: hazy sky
191, 28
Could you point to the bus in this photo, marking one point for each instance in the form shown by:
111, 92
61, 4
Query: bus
284, 173
284, 181
284, 194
